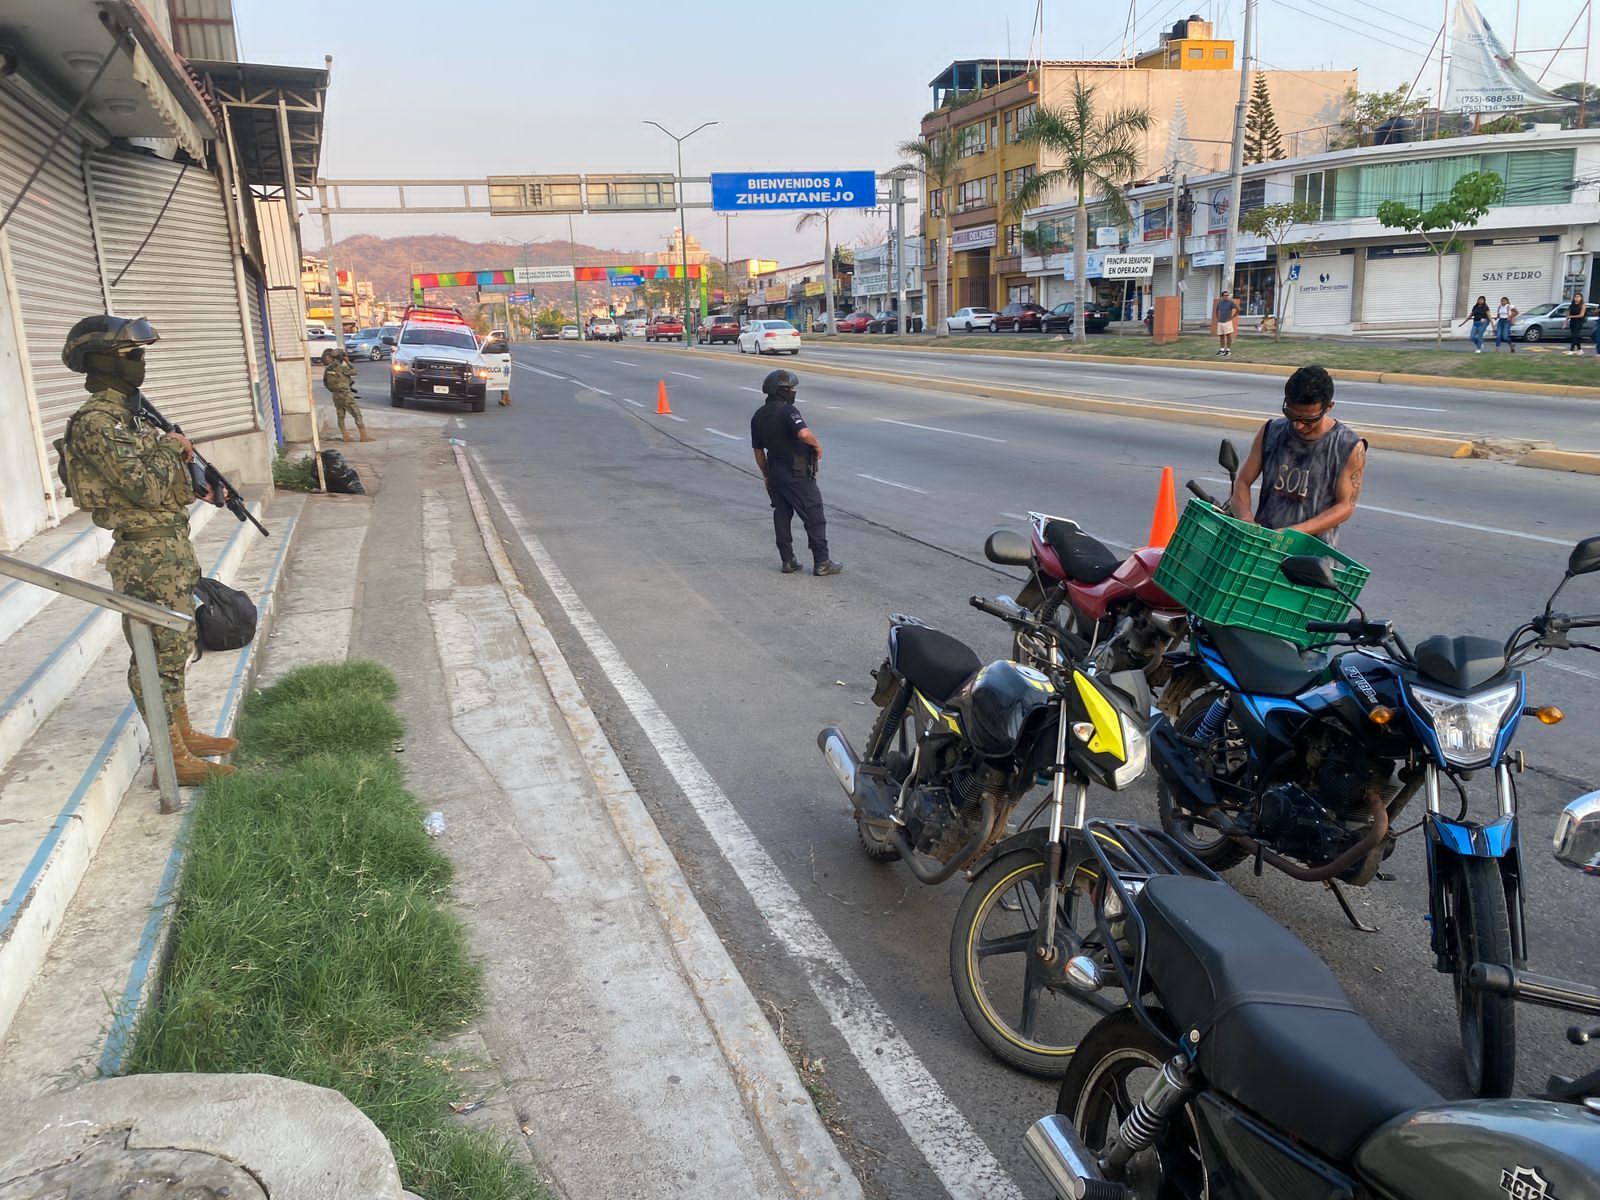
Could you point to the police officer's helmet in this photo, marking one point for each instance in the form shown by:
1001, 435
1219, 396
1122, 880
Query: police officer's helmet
104, 333
781, 380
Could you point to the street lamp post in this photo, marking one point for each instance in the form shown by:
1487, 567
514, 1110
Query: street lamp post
683, 225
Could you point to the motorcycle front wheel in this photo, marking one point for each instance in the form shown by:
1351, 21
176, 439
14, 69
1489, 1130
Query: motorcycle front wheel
1227, 760
1480, 931
1020, 1006
1116, 1062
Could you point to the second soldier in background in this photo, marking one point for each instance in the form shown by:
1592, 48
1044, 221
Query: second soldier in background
339, 377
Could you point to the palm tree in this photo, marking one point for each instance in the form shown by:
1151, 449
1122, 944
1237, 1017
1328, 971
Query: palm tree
939, 158
1102, 151
826, 217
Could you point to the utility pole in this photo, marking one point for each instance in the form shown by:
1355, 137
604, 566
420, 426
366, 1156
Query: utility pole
683, 225
1236, 167
827, 271
900, 252
333, 272
572, 253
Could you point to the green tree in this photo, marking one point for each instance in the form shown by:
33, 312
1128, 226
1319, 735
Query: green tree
550, 315
1470, 198
939, 159
829, 267
1275, 223
1510, 123
1095, 149
1368, 110
1262, 141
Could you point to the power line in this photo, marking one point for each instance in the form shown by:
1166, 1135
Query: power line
1341, 25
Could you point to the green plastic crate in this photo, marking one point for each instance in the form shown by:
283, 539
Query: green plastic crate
1226, 572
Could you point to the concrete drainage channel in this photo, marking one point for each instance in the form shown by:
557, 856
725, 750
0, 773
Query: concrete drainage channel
1541, 456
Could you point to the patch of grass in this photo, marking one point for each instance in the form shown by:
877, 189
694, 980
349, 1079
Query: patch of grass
294, 474
312, 939
1536, 366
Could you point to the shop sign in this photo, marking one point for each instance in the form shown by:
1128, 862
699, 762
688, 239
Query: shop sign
1214, 258
776, 295
1095, 263
1106, 235
979, 237
871, 285
815, 289
1407, 251
1129, 266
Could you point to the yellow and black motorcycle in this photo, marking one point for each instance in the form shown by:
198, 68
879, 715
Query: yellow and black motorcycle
956, 747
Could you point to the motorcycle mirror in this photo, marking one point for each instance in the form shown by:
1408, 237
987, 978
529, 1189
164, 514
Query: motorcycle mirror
1585, 557
1008, 548
1228, 458
1310, 570
1577, 840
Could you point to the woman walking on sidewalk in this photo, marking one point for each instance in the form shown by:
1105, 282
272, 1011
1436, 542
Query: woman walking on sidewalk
1503, 316
1575, 312
1480, 322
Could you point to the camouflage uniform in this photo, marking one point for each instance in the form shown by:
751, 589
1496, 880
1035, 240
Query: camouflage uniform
133, 480
339, 378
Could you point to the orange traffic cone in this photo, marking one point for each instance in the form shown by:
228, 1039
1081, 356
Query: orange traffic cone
1166, 518
663, 409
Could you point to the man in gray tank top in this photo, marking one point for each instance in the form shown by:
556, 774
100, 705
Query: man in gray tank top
1310, 465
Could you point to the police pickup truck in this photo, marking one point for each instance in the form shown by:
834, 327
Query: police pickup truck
437, 358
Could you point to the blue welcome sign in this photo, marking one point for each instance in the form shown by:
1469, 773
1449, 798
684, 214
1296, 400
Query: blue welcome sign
776, 191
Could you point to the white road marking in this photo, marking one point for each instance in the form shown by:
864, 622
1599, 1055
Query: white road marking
731, 437
602, 391
1563, 667
935, 429
757, 391
683, 374
549, 374
891, 483
952, 1148
1406, 407
835, 407
624, 362
635, 403
1015, 516
1395, 512
672, 417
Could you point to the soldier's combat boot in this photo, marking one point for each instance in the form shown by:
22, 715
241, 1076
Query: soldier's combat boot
192, 771
344, 434
201, 745
365, 436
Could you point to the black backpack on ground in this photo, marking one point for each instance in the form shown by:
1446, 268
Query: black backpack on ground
224, 617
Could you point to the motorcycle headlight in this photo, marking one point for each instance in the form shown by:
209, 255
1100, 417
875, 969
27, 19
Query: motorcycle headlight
1466, 726
1137, 749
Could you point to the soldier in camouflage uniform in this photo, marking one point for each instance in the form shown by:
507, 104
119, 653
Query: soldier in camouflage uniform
134, 480
339, 378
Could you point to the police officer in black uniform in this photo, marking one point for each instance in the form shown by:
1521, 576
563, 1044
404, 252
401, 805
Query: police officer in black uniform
788, 452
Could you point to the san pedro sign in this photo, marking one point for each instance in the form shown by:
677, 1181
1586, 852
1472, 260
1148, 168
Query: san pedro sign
777, 192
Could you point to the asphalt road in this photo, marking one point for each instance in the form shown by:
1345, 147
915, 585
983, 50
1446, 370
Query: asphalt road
661, 527
1571, 424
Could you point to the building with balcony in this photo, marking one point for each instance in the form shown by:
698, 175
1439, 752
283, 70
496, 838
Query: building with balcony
1351, 274
989, 105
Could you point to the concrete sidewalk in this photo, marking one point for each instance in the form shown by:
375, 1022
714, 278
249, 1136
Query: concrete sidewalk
619, 1043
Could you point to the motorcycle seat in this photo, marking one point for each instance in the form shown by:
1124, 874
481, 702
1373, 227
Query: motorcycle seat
1266, 665
1083, 558
935, 663
1278, 1035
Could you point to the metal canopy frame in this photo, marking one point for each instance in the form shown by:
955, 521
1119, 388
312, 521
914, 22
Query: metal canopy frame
274, 116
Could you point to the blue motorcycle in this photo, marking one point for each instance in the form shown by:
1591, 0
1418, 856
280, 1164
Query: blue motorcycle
1306, 760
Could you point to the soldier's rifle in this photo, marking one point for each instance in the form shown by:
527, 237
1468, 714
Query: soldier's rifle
209, 483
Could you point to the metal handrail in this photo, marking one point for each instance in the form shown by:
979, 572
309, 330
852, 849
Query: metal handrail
142, 614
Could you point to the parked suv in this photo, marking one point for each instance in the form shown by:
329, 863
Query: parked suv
437, 359
604, 329
663, 329
1020, 316
719, 328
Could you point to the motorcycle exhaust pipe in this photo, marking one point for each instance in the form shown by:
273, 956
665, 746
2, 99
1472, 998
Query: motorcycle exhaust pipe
1059, 1153
836, 749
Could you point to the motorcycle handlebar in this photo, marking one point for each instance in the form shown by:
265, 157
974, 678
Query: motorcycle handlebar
1350, 627
984, 604
1202, 493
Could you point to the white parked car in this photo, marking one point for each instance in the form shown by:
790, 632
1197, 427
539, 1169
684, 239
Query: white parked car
769, 337
965, 320
634, 327
569, 333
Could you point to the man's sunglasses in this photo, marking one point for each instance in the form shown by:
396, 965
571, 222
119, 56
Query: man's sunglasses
1304, 422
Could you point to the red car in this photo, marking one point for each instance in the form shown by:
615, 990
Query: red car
856, 322
1020, 316
665, 329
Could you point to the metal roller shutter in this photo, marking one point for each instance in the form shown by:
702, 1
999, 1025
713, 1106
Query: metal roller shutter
267, 387
182, 280
1525, 270
53, 257
1405, 290
1197, 297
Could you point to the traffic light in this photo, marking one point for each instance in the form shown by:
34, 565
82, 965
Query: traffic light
611, 311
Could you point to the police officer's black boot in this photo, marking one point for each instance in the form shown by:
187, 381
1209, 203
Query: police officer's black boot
790, 566
827, 568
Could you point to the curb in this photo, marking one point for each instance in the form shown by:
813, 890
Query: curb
1561, 460
801, 1150
1521, 387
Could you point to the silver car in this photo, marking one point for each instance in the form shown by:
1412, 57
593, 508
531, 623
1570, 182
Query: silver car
1548, 323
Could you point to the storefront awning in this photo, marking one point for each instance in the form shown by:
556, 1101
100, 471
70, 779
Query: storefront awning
261, 104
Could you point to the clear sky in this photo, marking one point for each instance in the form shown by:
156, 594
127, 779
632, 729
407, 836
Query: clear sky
470, 88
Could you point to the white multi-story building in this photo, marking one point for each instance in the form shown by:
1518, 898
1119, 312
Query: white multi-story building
1354, 275
874, 286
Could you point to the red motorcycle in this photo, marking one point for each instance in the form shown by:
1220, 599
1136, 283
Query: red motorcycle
1126, 622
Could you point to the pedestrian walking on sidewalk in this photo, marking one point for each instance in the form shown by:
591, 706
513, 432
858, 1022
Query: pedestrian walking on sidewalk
1575, 311
788, 454
339, 377
1503, 316
134, 480
1480, 322
1226, 312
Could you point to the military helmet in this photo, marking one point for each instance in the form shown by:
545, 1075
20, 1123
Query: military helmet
104, 333
781, 380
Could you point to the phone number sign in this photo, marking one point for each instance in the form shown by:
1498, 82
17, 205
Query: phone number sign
775, 192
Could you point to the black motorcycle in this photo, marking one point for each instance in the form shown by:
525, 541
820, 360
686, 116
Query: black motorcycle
956, 747
1305, 761
1240, 1070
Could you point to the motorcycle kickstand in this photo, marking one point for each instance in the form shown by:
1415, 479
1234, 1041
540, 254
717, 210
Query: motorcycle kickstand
1338, 894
